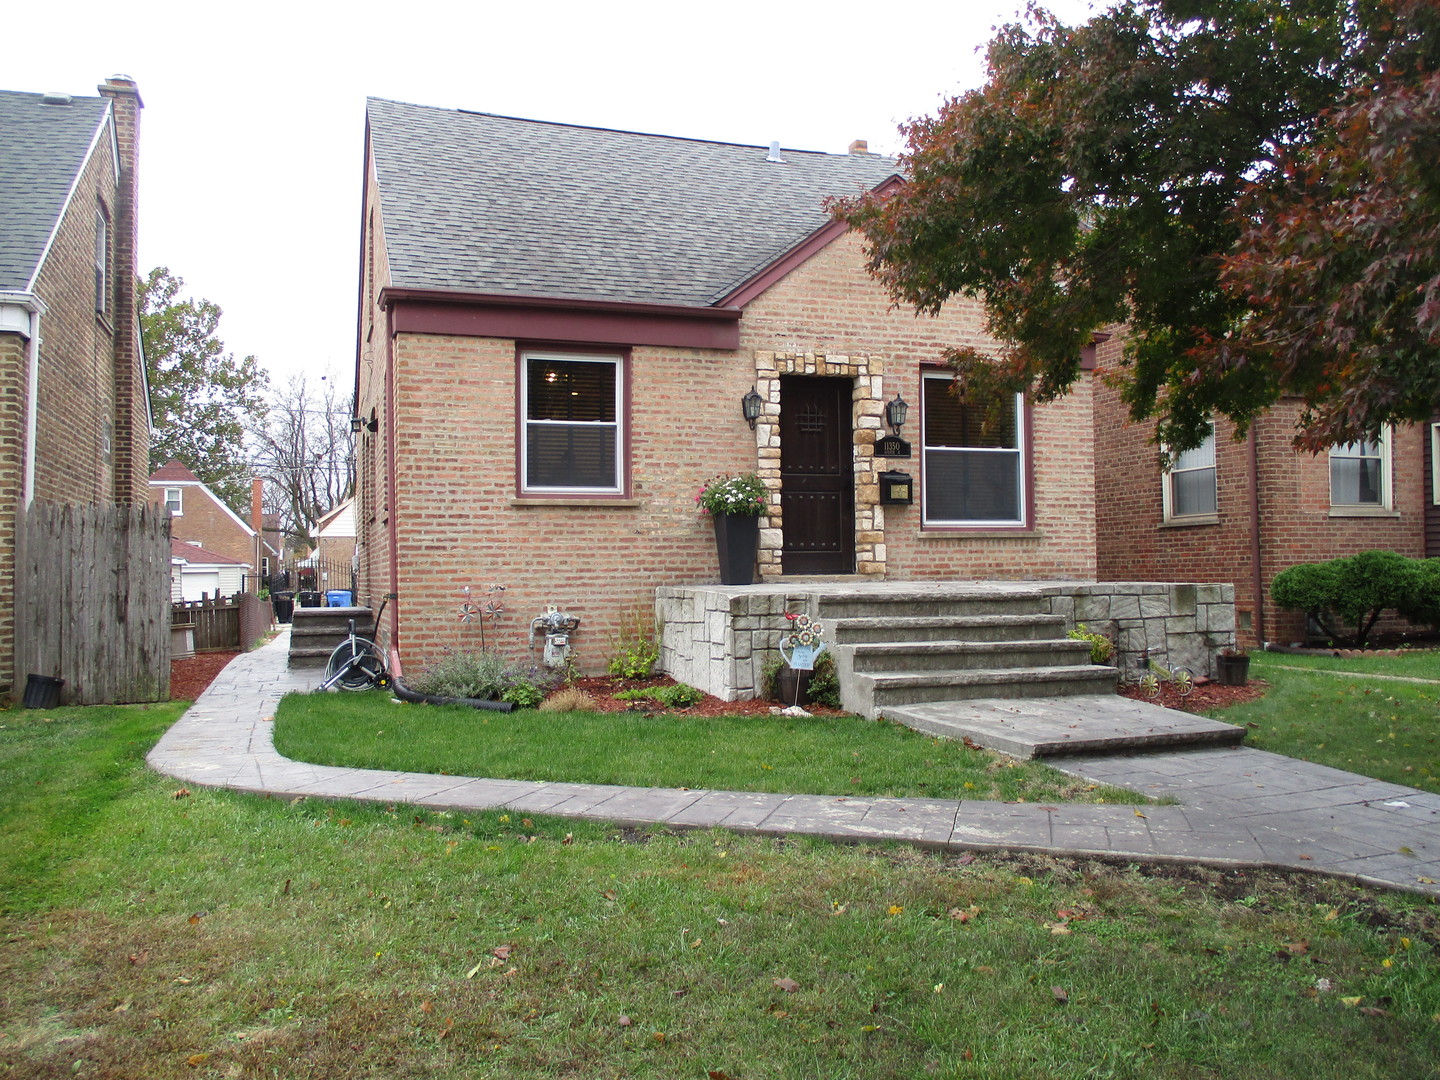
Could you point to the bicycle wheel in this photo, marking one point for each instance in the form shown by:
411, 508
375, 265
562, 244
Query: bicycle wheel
1150, 684
355, 665
1183, 680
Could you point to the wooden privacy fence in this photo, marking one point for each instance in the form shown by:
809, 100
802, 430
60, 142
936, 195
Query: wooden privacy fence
225, 623
92, 601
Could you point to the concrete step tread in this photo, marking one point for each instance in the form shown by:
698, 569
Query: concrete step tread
1076, 724
968, 676
959, 645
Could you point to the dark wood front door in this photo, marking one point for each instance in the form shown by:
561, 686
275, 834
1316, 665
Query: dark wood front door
817, 494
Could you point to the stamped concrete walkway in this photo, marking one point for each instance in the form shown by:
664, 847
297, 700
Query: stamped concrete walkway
1238, 807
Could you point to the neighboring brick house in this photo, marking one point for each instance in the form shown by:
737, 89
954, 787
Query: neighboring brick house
74, 411
1243, 511
557, 326
199, 516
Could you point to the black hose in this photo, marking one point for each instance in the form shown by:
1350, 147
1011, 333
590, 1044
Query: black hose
404, 693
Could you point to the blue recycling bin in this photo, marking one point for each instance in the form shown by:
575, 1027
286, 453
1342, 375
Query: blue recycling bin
338, 598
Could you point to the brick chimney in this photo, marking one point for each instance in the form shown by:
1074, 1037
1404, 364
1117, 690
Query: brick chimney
131, 441
860, 146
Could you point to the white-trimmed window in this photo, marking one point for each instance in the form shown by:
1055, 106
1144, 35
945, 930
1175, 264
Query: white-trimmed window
1360, 475
974, 463
573, 439
102, 260
1190, 482
173, 501
1435, 464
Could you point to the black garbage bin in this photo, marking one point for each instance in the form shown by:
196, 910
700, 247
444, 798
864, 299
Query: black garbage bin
309, 598
284, 604
42, 691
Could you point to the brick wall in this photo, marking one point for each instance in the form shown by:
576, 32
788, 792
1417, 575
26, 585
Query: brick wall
204, 521
1297, 523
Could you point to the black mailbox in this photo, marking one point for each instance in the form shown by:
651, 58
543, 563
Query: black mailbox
896, 489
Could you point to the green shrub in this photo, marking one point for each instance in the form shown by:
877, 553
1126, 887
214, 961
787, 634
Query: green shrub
824, 682
636, 649
485, 675
1422, 607
1101, 647
1355, 591
679, 696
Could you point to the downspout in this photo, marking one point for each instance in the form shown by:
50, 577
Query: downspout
20, 313
1257, 579
391, 406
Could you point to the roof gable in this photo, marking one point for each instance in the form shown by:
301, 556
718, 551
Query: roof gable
42, 154
472, 202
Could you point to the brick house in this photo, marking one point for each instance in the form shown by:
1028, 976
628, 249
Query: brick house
74, 410
1243, 511
557, 327
198, 516
198, 574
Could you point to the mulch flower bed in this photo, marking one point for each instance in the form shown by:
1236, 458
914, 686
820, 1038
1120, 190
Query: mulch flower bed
1203, 697
190, 677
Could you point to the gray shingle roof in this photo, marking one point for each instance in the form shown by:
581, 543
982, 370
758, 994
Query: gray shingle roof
493, 204
42, 149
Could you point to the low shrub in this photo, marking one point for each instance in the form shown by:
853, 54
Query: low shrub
485, 675
636, 649
679, 696
569, 699
1102, 649
1355, 591
824, 682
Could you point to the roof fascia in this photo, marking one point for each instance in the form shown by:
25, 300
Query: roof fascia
597, 322
106, 121
797, 255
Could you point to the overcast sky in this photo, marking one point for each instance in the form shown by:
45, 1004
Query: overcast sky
253, 130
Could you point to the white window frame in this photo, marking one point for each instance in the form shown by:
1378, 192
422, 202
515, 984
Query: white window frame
1020, 452
1168, 484
1435, 464
618, 361
102, 262
178, 510
1387, 493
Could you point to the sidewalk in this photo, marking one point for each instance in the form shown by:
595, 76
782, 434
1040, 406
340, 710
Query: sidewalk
1238, 807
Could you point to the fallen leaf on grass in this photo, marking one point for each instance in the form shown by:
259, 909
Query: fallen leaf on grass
471, 973
1371, 1010
718, 1074
624, 1020
502, 951
427, 1007
1062, 997
788, 985
196, 1060
966, 859
1057, 928
1351, 1002
195, 919
139, 958
181, 793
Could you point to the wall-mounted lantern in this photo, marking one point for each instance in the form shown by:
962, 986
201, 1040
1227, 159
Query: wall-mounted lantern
359, 423
896, 489
750, 406
895, 413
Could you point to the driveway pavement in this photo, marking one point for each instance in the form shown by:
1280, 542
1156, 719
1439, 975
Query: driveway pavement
1237, 806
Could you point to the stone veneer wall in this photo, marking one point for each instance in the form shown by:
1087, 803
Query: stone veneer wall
1183, 625
868, 408
717, 638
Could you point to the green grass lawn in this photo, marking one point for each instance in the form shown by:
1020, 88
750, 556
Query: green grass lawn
150, 933
1383, 728
842, 755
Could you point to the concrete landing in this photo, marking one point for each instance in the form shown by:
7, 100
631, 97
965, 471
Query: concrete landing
1082, 724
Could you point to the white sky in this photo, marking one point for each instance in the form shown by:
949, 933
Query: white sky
253, 130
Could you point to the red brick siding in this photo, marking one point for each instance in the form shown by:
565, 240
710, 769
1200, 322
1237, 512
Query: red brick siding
1296, 523
204, 521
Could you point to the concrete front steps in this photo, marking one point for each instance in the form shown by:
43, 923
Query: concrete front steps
904, 648
314, 632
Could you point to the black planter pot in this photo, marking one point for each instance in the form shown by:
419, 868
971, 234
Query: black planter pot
737, 538
1232, 670
792, 687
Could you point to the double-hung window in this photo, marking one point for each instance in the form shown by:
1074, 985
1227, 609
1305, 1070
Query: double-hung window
102, 262
1190, 482
973, 458
572, 409
1358, 475
173, 501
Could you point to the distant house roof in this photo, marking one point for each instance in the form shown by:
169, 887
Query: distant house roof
173, 472
42, 153
184, 551
472, 202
